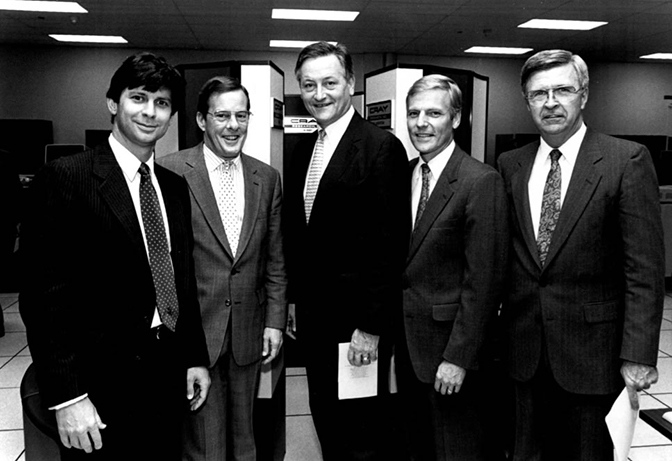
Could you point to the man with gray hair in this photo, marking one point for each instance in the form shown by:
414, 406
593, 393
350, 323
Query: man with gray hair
585, 300
453, 278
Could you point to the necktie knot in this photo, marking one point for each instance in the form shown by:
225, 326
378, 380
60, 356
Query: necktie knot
555, 156
144, 171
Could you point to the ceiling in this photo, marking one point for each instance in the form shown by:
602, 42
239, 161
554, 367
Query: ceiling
418, 27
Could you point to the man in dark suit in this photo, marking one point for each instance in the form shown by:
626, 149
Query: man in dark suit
452, 280
585, 298
240, 269
109, 293
347, 220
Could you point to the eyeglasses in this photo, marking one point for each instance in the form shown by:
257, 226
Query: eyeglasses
242, 116
561, 94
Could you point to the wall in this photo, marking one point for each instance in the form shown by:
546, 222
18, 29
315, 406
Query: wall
67, 85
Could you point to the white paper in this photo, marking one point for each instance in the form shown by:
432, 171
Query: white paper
355, 382
621, 422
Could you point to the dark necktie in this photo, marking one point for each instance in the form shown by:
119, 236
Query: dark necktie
159, 255
550, 206
424, 194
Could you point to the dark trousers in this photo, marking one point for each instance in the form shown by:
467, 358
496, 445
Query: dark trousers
148, 426
355, 429
553, 424
222, 429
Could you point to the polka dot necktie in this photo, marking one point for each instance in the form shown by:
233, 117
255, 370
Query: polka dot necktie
424, 194
227, 204
159, 254
550, 206
314, 174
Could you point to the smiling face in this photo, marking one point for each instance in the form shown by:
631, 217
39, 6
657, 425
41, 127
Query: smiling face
557, 120
141, 118
430, 123
325, 90
226, 139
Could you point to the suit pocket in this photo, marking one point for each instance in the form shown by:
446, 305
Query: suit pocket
445, 312
601, 312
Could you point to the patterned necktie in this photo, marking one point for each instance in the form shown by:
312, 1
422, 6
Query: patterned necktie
424, 194
550, 206
226, 201
314, 174
159, 254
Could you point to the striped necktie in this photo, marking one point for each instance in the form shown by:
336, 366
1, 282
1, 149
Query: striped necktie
550, 206
314, 174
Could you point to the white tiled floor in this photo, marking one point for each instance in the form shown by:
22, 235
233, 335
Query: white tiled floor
648, 444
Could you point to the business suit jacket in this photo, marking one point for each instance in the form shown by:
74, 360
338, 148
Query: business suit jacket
345, 265
455, 267
88, 297
248, 292
598, 300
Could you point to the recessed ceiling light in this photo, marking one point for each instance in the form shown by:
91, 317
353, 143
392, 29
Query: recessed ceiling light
41, 6
561, 24
657, 56
497, 50
314, 15
89, 38
294, 43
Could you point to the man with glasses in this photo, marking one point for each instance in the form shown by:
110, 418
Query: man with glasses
585, 299
240, 269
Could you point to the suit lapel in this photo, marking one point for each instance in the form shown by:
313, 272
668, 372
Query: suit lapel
441, 195
345, 152
199, 182
114, 191
584, 181
253, 188
521, 198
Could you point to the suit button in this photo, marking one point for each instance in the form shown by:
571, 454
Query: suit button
227, 303
234, 271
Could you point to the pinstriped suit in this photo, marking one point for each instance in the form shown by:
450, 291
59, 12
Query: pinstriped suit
88, 299
238, 296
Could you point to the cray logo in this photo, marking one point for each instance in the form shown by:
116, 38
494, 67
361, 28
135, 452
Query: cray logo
302, 120
379, 109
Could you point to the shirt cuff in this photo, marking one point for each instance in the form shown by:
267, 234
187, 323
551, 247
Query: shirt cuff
69, 402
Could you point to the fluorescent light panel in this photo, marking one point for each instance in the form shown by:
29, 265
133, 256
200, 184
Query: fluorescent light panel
497, 50
657, 56
41, 6
293, 43
561, 24
314, 15
89, 38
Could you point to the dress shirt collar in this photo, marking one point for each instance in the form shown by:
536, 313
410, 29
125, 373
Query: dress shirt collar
212, 161
569, 150
336, 130
128, 162
439, 162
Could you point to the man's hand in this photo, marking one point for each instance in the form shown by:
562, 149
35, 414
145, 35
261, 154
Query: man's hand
291, 321
449, 378
79, 425
637, 377
363, 348
272, 344
198, 385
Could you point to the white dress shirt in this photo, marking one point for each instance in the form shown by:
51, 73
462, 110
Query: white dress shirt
333, 135
436, 166
541, 167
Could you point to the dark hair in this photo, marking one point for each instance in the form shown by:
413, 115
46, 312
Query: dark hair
148, 71
320, 49
218, 85
439, 82
548, 59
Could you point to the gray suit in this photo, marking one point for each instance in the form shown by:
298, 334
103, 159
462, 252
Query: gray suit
238, 296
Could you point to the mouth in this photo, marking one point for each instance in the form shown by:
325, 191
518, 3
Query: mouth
322, 105
553, 117
423, 135
231, 138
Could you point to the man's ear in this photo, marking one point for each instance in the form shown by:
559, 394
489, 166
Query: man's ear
112, 106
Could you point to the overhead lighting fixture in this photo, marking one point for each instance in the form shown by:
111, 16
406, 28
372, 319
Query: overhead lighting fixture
497, 50
314, 15
294, 43
561, 24
89, 38
657, 56
41, 6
